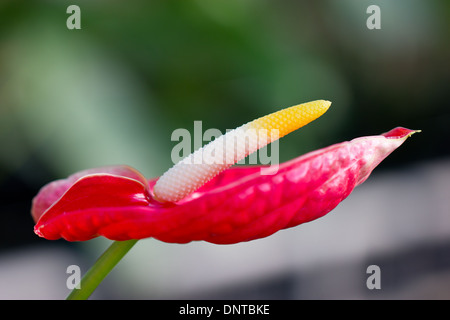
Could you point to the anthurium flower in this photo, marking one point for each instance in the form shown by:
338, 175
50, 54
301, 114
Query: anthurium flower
233, 204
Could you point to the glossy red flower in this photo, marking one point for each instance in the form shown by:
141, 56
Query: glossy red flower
237, 205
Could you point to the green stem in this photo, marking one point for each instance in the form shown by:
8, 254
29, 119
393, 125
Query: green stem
101, 268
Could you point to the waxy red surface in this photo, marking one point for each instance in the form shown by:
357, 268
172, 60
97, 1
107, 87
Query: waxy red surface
238, 205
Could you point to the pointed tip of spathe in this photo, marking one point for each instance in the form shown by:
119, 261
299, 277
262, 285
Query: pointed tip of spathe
400, 133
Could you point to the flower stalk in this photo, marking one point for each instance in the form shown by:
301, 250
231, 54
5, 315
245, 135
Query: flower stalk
102, 267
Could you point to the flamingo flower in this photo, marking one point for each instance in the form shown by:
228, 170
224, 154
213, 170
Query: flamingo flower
204, 198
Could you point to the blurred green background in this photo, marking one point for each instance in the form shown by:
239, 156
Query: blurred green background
113, 92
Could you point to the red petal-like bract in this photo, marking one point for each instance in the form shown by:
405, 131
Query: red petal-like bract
238, 205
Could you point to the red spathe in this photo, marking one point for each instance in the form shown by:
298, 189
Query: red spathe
238, 205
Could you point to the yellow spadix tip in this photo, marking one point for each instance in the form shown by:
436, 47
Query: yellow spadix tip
204, 164
292, 118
